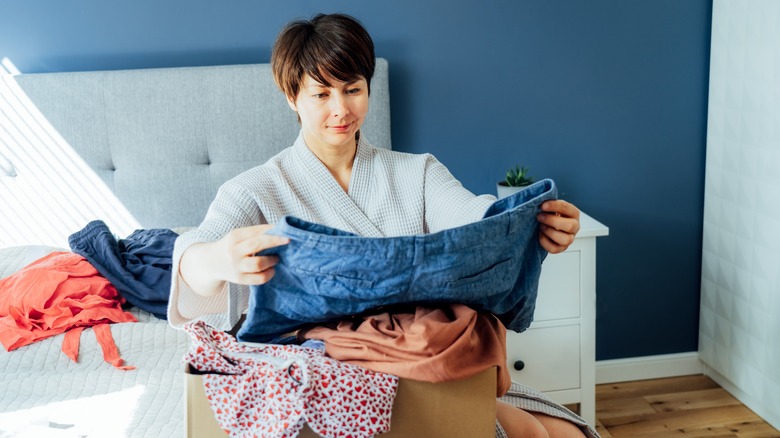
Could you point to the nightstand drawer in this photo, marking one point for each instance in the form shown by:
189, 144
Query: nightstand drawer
559, 287
550, 357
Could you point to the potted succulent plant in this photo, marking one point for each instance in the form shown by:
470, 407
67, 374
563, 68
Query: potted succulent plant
515, 180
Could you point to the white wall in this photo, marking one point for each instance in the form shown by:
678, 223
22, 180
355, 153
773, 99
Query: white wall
739, 334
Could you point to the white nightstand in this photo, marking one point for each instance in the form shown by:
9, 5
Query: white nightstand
557, 354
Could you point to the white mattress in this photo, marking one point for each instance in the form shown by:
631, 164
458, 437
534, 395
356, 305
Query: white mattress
45, 394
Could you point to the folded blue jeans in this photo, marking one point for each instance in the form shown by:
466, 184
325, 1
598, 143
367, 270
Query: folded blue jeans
325, 274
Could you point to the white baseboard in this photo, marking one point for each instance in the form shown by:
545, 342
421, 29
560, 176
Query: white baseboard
648, 367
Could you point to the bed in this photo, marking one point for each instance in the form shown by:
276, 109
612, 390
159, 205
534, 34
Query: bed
147, 150
136, 149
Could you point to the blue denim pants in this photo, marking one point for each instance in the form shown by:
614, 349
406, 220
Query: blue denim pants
325, 274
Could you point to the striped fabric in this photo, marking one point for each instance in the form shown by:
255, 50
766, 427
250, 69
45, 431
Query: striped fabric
531, 400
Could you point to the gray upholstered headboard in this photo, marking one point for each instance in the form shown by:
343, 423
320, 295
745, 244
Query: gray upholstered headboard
164, 140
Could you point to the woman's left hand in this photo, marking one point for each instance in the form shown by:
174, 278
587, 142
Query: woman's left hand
559, 223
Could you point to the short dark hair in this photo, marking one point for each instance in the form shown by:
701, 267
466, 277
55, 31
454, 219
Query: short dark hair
335, 45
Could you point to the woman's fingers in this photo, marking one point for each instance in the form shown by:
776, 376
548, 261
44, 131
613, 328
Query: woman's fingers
251, 240
242, 245
559, 223
554, 241
257, 264
561, 207
255, 278
560, 215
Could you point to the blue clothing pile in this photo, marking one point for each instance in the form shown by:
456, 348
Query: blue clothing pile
139, 266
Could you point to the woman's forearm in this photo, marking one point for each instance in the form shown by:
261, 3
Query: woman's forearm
196, 268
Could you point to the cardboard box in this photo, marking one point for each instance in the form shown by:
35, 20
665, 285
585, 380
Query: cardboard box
463, 408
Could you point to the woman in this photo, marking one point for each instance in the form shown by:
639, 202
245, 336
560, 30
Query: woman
333, 176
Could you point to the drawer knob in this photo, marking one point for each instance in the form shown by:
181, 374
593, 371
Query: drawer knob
519, 365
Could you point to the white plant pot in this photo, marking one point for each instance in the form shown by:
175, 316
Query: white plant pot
504, 191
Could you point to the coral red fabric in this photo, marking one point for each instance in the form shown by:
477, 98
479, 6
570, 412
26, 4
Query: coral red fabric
57, 293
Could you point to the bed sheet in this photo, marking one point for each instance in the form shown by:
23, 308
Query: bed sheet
45, 394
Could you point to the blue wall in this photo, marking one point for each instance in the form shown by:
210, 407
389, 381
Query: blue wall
609, 98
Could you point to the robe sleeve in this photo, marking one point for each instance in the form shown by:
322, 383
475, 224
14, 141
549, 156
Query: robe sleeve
447, 203
233, 207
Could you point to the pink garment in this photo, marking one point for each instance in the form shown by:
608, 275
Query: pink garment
272, 390
60, 292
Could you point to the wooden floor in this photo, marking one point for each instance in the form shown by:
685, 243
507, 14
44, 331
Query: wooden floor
690, 406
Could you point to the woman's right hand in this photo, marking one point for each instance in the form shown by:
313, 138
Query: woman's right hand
205, 267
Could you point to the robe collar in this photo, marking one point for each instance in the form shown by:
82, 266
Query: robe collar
347, 205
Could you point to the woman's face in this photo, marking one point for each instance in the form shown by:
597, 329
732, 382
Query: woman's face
331, 116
